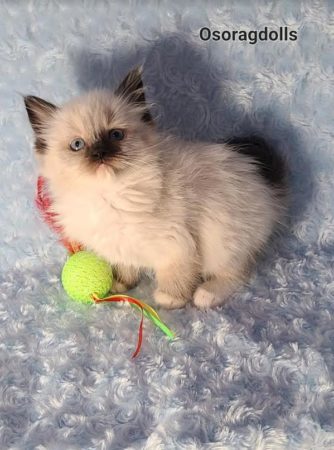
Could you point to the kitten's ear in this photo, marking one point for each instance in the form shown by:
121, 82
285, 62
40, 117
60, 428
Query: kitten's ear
39, 112
132, 89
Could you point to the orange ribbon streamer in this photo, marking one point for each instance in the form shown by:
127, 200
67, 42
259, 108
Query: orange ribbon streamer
134, 301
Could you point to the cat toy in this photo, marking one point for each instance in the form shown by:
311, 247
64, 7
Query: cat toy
86, 277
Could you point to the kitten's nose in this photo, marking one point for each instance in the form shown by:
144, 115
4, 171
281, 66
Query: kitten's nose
103, 149
99, 152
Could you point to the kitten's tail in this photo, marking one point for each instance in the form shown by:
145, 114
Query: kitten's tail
271, 165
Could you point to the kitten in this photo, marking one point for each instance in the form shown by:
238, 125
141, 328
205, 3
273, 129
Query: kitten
196, 213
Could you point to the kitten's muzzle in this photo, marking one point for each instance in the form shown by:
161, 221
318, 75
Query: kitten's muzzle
102, 150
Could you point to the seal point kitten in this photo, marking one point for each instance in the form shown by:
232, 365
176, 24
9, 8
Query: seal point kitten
196, 213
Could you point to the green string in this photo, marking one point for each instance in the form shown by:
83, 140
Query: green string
157, 322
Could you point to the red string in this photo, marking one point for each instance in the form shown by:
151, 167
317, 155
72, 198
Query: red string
44, 205
114, 298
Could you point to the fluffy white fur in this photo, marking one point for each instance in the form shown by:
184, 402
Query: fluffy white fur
195, 213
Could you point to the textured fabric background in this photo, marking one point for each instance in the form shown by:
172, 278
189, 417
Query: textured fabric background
254, 374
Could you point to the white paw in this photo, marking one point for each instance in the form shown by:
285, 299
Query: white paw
167, 301
204, 299
118, 287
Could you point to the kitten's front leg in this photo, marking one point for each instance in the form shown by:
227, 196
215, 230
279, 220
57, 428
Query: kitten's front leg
176, 284
125, 278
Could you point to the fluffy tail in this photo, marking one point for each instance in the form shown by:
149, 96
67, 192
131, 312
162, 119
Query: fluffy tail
271, 165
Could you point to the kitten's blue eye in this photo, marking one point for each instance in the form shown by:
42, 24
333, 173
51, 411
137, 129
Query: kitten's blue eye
116, 135
77, 144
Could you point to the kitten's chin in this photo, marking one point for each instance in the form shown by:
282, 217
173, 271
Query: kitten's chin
103, 171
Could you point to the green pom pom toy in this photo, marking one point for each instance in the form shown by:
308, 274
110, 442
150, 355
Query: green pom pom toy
85, 274
87, 278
